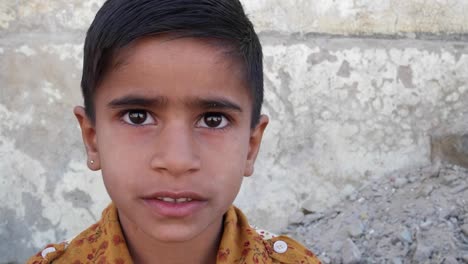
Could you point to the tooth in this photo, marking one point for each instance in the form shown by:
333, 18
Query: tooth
167, 199
182, 200
172, 200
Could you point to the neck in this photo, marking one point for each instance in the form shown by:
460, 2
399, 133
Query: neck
145, 249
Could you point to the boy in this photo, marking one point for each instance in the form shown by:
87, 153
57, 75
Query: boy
173, 91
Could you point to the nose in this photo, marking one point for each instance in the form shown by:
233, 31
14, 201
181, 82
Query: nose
176, 151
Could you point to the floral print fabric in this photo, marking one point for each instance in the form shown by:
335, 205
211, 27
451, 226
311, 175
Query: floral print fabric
104, 242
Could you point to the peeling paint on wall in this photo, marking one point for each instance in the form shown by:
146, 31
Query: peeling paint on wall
25, 50
31, 214
66, 52
6, 14
351, 17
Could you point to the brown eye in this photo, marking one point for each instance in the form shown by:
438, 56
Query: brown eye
138, 117
213, 120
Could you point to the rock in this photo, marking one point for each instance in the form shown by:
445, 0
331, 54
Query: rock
397, 261
296, 218
426, 225
460, 188
406, 236
464, 217
426, 190
313, 206
464, 229
465, 258
432, 170
412, 178
400, 182
449, 179
453, 211
365, 216
353, 196
335, 259
450, 260
350, 253
334, 254
310, 218
422, 253
337, 246
355, 228
325, 260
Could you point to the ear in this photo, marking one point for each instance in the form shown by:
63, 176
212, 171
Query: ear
254, 144
88, 132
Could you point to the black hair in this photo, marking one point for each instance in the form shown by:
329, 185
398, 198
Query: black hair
120, 22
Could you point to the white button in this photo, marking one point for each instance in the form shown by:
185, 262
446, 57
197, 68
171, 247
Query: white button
280, 246
48, 250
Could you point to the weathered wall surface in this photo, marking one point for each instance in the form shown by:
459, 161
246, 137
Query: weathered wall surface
364, 17
355, 90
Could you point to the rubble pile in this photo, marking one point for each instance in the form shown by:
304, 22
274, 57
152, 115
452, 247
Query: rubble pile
417, 217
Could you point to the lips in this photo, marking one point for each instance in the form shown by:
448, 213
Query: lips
175, 196
175, 204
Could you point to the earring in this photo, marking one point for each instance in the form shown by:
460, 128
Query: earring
91, 161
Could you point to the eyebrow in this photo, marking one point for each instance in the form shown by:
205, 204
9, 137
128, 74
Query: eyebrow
135, 100
215, 103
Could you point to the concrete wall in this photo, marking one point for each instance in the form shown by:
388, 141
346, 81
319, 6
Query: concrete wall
355, 89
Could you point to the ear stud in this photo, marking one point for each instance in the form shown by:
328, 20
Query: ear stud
91, 161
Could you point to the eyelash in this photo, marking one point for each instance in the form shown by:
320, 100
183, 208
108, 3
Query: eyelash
123, 113
227, 117
199, 118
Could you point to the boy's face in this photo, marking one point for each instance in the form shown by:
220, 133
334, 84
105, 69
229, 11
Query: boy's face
172, 136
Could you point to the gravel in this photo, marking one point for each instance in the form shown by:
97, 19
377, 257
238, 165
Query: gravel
418, 217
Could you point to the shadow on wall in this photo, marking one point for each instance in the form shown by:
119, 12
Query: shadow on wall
452, 149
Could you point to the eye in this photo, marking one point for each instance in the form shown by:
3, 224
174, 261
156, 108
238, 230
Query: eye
138, 118
213, 120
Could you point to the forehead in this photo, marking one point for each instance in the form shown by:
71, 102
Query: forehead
210, 50
176, 66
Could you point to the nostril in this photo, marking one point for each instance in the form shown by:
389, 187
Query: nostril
176, 161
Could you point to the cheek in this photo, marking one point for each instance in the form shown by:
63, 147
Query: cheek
226, 154
119, 142
121, 178
121, 160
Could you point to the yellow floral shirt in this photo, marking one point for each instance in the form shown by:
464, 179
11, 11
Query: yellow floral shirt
104, 242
